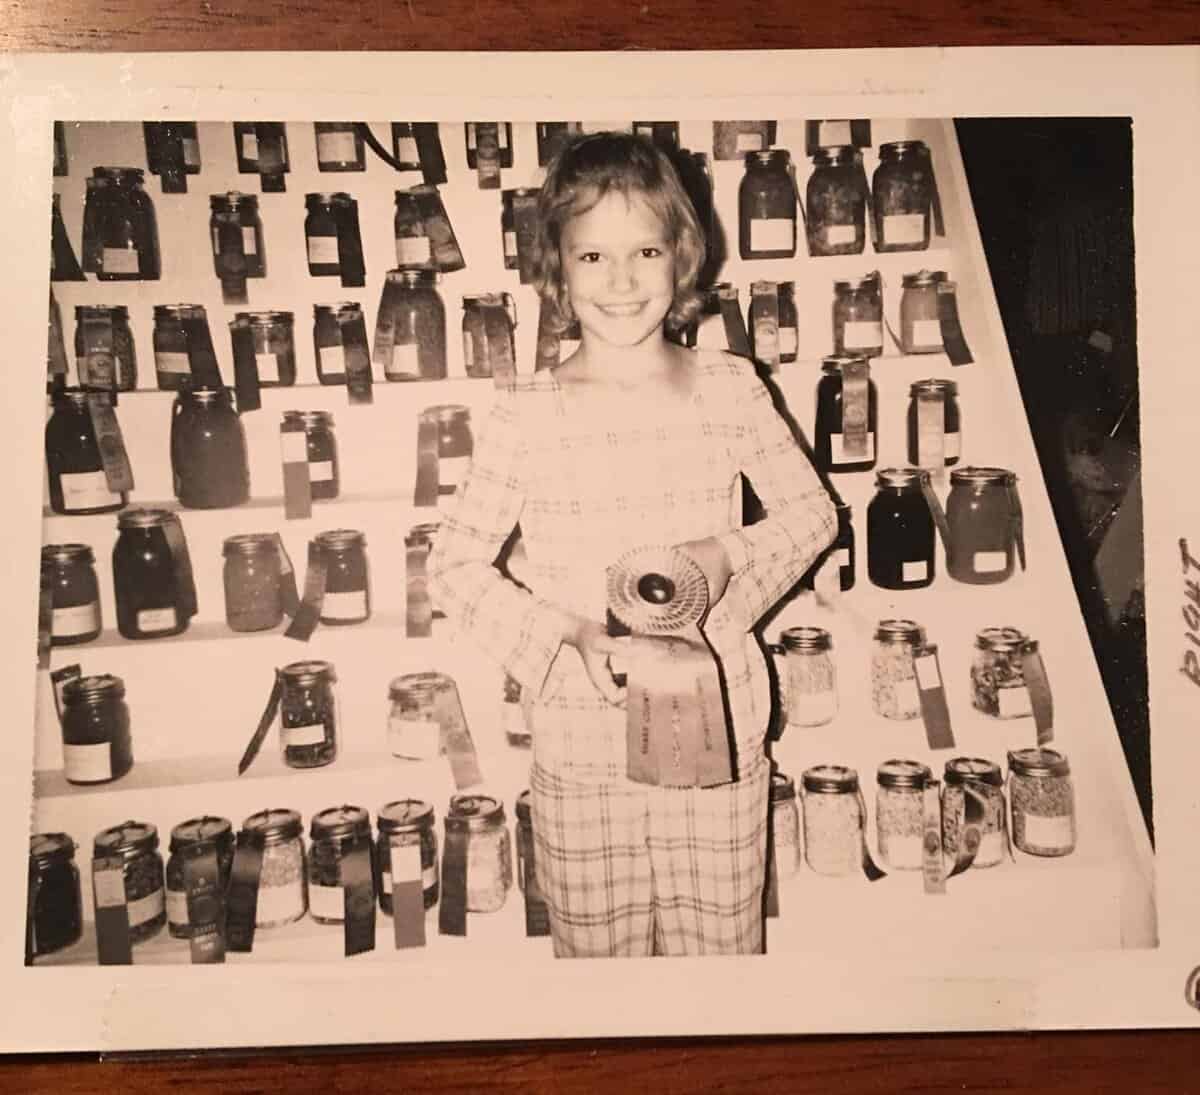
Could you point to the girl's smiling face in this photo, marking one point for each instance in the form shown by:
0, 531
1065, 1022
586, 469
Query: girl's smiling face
618, 267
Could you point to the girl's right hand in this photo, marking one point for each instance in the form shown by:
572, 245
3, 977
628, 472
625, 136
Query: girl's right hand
595, 646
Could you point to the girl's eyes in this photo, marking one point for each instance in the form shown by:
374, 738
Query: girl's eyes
645, 252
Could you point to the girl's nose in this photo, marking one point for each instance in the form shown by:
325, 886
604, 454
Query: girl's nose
621, 275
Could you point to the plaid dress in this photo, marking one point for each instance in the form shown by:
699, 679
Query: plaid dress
587, 480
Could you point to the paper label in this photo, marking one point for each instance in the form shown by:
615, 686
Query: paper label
926, 332
320, 471
451, 470
953, 445
119, 260
1014, 702
177, 910
841, 557
250, 146
471, 136
510, 244
86, 490
749, 142
191, 151
157, 619
87, 763
418, 739
837, 235
326, 901
337, 147
862, 334
834, 133
907, 696
773, 234
927, 673
322, 251
172, 361
303, 735
428, 876
904, 228
268, 367
146, 908
276, 903
406, 150
990, 562
837, 447
915, 571
249, 240
66, 623
344, 606
789, 339
1048, 832
411, 250
294, 446
405, 360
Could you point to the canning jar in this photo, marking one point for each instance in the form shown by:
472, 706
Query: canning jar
412, 309
321, 233
333, 834
333, 324
146, 577
789, 328
172, 153
811, 692
188, 837
135, 843
767, 207
274, 346
847, 405
70, 572
413, 245
934, 424
262, 149
903, 190
984, 516
414, 731
404, 822
74, 467
55, 900
894, 692
283, 879
208, 449
320, 442
833, 819
347, 579
455, 445
252, 577
340, 147
1043, 802
172, 360
858, 316
488, 330
900, 530
785, 825
97, 744
900, 813
986, 780
920, 323
480, 819
120, 233
237, 236
308, 714
998, 685
104, 352
837, 202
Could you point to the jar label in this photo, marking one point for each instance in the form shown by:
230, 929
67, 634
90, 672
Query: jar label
915, 570
836, 235
250, 146
468, 350
172, 361
322, 251
773, 234
471, 136
990, 562
834, 133
908, 699
1014, 702
191, 151
119, 260
249, 240
428, 876
86, 490
510, 244
904, 852
406, 150
87, 763
411, 250
320, 471
1048, 832
926, 332
841, 557
904, 228
338, 147
789, 340
451, 470
146, 908
749, 142
66, 623
418, 739
405, 360
279, 903
953, 445
928, 675
313, 734
268, 368
177, 908
837, 450
157, 619
406, 863
326, 902
344, 606
862, 334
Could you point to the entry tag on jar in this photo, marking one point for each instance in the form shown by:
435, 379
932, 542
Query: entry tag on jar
112, 915
271, 140
59, 679
304, 623
425, 490
953, 340
771, 890
117, 470
181, 560
45, 619
287, 578
871, 871
385, 328
456, 737
264, 724
358, 899
487, 154
350, 250
829, 131
429, 152
205, 903
202, 358
939, 224
297, 488
1018, 518
1040, 699
230, 253
970, 829
936, 512
735, 327
408, 891
856, 399
934, 711
933, 865
356, 359
764, 308
452, 906
99, 364
56, 352
447, 255
241, 900
524, 207
245, 367
931, 432
537, 916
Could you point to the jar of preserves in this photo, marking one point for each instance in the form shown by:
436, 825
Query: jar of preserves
347, 579
998, 685
146, 579
404, 822
455, 445
321, 233
97, 744
417, 317
324, 472
900, 530
894, 692
308, 714
900, 813
833, 819
785, 825
333, 834
767, 207
789, 326
340, 147
858, 316
986, 780
283, 879
188, 837
252, 578
414, 730
480, 819
55, 900
274, 346
208, 449
70, 572
934, 424
237, 236
811, 692
489, 335
120, 232
331, 324
847, 405
172, 361
836, 197
903, 190
984, 516
74, 468
104, 351
413, 245
920, 322
135, 843
1043, 802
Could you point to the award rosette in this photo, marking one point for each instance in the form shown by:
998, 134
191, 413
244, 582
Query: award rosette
677, 733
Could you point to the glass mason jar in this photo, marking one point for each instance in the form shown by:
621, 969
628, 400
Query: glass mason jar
283, 880
340, 147
186, 838
983, 517
508, 225
418, 325
237, 236
489, 849
998, 685
894, 692
135, 843
811, 692
321, 233
985, 778
789, 326
74, 468
767, 207
172, 153
903, 196
208, 449
785, 825
347, 578
413, 246
858, 316
333, 834
934, 423
262, 149
252, 577
920, 325
274, 346
308, 711
324, 472
97, 744
503, 142
488, 329
70, 572
900, 813
120, 233
837, 202
900, 531
414, 731
172, 362
1043, 802
833, 819
114, 366
835, 412
55, 902
146, 579
405, 822
329, 321
455, 445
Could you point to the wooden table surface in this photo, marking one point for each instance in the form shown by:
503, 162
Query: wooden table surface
1130, 1063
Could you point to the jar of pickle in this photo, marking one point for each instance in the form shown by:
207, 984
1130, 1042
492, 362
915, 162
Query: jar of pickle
104, 351
455, 445
414, 730
998, 685
934, 424
811, 691
405, 822
187, 838
308, 711
920, 322
833, 819
208, 449
120, 232
789, 328
340, 147
894, 692
135, 843
321, 233
413, 245
347, 579
74, 468
986, 780
837, 202
55, 900
331, 324
274, 346
70, 572
767, 207
417, 316
900, 813
283, 878
900, 530
488, 330
785, 825
172, 361
984, 518
237, 236
480, 819
324, 472
1043, 802
97, 744
333, 835
146, 577
847, 400
903, 190
253, 582
858, 316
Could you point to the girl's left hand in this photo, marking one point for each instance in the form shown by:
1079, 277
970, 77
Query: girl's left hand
712, 558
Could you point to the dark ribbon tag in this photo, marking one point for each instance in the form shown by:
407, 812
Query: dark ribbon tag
358, 899
202, 358
425, 490
117, 470
351, 265
552, 137
45, 618
870, 870
287, 578
939, 224
59, 679
933, 865
663, 134
304, 623
181, 561
799, 203
264, 724
297, 487
205, 903
98, 366
934, 710
418, 617
456, 737
969, 829
764, 308
245, 367
385, 327
429, 151
771, 887
356, 358
936, 512
524, 207
113, 944
64, 266
443, 243
230, 256
487, 155
32, 891
953, 340
242, 899
856, 410
1040, 699
452, 907
56, 351
500, 327
1018, 520
735, 327
408, 891
537, 916
931, 432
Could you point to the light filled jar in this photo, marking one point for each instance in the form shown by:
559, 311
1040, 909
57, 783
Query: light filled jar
934, 424
920, 322
900, 813
985, 779
252, 577
894, 692
836, 197
308, 714
812, 698
998, 685
984, 517
767, 207
97, 742
70, 572
901, 538
187, 839
480, 818
1043, 802
347, 577
833, 819
858, 316
283, 877
903, 193
55, 900
333, 835
406, 822
413, 729
785, 825
135, 843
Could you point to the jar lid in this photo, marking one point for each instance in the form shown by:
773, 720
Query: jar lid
446, 413
232, 199
128, 838
1004, 640
308, 672
474, 813
309, 418
521, 192
144, 517
524, 808
336, 306
77, 397
67, 553
327, 197
830, 779
825, 155
414, 275
783, 788
405, 815
273, 826
770, 157
982, 477
339, 823
201, 830
900, 148
806, 640
120, 174
857, 285
47, 848
179, 311
249, 543
900, 631
100, 686
1038, 762
922, 279
204, 393
903, 774
901, 478
933, 386
117, 311
833, 363
422, 534
267, 318
416, 685
341, 539
962, 770
724, 290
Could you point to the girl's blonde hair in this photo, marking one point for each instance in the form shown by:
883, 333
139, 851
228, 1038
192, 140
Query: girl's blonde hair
585, 171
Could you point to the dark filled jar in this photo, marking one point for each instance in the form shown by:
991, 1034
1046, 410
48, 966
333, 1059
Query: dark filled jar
846, 402
274, 346
237, 236
120, 232
767, 207
321, 447
321, 233
97, 744
837, 202
308, 714
55, 900
252, 578
402, 824
172, 153
187, 838
418, 319
146, 579
455, 445
172, 361
135, 843
329, 322
340, 147
858, 316
983, 516
900, 531
347, 580
70, 572
333, 835
920, 322
903, 196
489, 338
413, 246
104, 352
283, 879
208, 450
74, 468
934, 424
789, 325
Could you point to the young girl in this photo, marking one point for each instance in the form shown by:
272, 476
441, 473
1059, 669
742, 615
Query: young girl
632, 441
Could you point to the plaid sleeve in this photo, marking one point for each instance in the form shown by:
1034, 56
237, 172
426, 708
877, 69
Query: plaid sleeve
512, 626
769, 557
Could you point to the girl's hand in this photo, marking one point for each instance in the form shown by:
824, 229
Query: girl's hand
712, 558
595, 645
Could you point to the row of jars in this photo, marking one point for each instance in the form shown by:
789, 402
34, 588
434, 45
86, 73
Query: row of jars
294, 878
